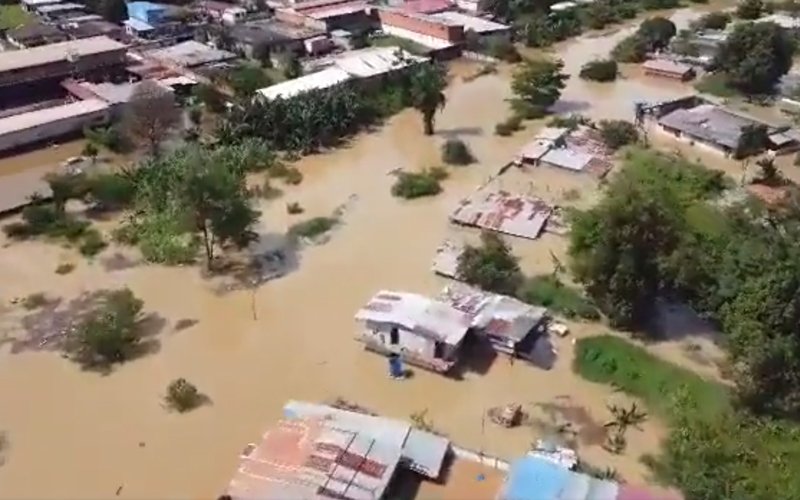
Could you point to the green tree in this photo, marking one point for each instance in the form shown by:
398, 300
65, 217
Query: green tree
657, 32
713, 21
750, 9
537, 83
600, 70
753, 139
428, 82
65, 187
456, 152
217, 199
599, 14
261, 53
182, 396
211, 98
618, 133
90, 151
632, 49
291, 65
151, 114
683, 44
113, 11
111, 333
490, 266
755, 56
246, 79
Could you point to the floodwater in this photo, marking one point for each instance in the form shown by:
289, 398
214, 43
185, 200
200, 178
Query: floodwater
79, 434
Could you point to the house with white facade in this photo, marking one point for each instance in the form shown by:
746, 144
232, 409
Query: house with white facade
422, 331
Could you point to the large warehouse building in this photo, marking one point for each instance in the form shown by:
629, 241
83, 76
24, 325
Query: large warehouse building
59, 60
49, 123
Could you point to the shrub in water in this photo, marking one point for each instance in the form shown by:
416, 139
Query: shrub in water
599, 71
410, 185
312, 227
456, 152
182, 395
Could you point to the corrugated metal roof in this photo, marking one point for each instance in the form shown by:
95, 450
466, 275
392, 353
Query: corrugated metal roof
11, 60
709, 123
314, 458
374, 61
59, 7
667, 66
476, 24
315, 81
446, 260
517, 215
422, 451
418, 314
32, 119
494, 314
191, 53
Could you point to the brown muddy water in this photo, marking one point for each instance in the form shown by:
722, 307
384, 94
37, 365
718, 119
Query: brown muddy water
74, 434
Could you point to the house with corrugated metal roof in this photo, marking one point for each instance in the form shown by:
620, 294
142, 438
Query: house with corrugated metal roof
503, 212
422, 331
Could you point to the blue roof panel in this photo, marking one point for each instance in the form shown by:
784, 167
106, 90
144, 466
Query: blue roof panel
534, 478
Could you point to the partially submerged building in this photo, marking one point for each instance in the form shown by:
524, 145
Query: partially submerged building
719, 129
59, 60
500, 211
445, 262
363, 66
511, 326
668, 69
279, 38
422, 331
318, 451
424, 30
578, 150
52, 122
486, 29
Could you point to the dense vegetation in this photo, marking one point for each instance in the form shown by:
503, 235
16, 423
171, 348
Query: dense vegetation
110, 333
754, 57
548, 291
658, 233
490, 266
323, 118
456, 152
653, 34
537, 85
617, 133
601, 70
410, 185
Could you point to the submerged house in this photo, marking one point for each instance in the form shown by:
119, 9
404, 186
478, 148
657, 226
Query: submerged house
318, 451
719, 129
500, 211
668, 69
422, 331
581, 150
511, 326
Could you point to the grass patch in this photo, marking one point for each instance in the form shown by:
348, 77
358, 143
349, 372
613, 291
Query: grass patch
549, 292
715, 84
612, 360
312, 228
12, 16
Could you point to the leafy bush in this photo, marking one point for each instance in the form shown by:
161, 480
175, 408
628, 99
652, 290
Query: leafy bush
508, 127
715, 84
293, 177
46, 220
612, 360
491, 266
65, 268
456, 152
504, 50
618, 133
110, 190
571, 121
312, 228
294, 208
112, 138
162, 238
34, 301
600, 71
713, 21
750, 9
549, 292
632, 49
92, 243
410, 185
182, 396
109, 334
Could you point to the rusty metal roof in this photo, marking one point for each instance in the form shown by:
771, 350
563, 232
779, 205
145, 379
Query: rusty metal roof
516, 215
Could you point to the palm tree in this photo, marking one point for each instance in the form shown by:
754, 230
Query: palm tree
427, 93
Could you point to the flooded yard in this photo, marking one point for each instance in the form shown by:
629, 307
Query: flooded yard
79, 434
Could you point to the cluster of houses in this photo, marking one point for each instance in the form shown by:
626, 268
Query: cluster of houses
337, 451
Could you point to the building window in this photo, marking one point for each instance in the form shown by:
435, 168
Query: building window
394, 336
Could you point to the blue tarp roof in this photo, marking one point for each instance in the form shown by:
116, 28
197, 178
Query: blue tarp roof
533, 478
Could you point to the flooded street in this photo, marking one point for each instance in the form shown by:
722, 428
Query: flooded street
77, 434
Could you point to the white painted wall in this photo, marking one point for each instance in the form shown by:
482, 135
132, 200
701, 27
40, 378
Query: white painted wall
51, 130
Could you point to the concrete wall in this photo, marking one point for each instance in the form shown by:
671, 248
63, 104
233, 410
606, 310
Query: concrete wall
52, 130
408, 341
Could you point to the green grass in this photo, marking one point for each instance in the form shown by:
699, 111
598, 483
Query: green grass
612, 360
546, 291
12, 16
715, 84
